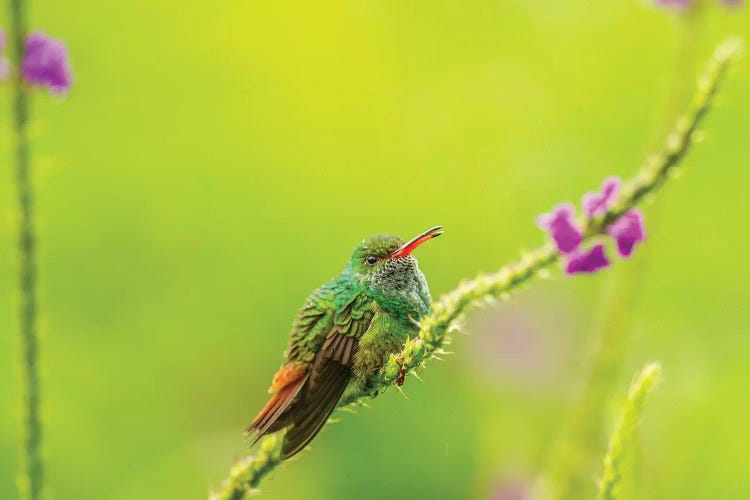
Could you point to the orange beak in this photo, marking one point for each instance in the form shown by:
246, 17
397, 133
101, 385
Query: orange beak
408, 247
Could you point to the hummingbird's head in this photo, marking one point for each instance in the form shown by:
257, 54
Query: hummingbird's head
384, 264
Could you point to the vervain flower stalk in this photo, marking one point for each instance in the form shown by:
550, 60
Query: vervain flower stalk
571, 461
624, 431
32, 478
247, 472
448, 312
43, 62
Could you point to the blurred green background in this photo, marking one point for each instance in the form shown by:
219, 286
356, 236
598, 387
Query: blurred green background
217, 161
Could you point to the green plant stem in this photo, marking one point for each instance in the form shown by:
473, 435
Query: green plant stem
447, 312
688, 29
32, 479
572, 461
247, 472
624, 432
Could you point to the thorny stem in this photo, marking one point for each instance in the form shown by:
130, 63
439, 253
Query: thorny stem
448, 312
32, 479
247, 472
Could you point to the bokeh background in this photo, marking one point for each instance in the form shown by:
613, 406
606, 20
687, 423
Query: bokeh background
217, 161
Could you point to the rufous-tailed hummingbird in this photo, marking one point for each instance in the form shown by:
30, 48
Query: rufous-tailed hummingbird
344, 332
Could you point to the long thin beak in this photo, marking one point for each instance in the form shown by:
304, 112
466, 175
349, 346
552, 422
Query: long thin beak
408, 247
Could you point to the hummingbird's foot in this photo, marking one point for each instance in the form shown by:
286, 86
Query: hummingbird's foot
401, 376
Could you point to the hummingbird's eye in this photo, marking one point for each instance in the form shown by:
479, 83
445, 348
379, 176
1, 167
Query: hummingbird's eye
371, 260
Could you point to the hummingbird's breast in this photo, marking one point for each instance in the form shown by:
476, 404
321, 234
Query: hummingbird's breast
401, 289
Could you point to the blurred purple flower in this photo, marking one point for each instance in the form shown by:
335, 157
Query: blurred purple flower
562, 227
682, 4
4, 66
627, 231
512, 490
587, 261
685, 4
599, 202
45, 63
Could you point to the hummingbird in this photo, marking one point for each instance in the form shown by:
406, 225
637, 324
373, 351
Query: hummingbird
345, 331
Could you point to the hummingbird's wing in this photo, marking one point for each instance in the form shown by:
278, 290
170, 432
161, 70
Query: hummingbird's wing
320, 356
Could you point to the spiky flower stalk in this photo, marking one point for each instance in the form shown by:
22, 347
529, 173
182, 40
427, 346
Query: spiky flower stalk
579, 446
247, 472
625, 429
32, 479
448, 312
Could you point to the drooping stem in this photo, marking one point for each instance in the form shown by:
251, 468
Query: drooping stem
449, 310
33, 471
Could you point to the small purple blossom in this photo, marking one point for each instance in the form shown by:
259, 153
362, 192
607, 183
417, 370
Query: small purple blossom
560, 224
587, 261
562, 227
627, 231
599, 202
4, 66
45, 63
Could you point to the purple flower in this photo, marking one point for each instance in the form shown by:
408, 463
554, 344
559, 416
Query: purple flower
562, 227
680, 4
599, 202
627, 231
587, 261
4, 66
45, 63
568, 237
512, 491
685, 4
